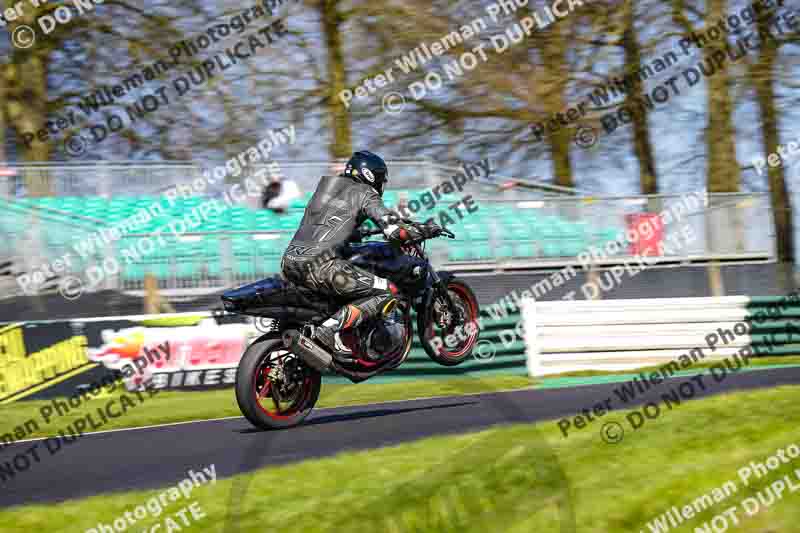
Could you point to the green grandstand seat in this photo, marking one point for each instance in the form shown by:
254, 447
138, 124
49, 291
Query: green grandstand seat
241, 225
298, 203
608, 234
570, 247
288, 222
70, 204
95, 201
245, 266
161, 254
265, 220
482, 251
189, 203
214, 268
504, 251
551, 248
506, 211
243, 245
525, 249
458, 252
212, 224
269, 247
476, 232
133, 272
190, 267
519, 230
212, 248
269, 265
160, 270
390, 197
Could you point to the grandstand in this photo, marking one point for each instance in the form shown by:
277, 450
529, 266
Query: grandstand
518, 229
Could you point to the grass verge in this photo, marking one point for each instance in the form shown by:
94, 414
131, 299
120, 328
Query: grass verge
517, 478
169, 407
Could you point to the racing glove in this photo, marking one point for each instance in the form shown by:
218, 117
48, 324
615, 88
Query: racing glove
411, 232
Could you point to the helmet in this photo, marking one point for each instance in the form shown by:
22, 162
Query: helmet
368, 168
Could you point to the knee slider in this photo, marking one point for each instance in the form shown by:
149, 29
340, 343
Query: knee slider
389, 306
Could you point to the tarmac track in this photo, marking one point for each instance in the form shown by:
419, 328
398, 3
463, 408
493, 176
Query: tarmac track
160, 456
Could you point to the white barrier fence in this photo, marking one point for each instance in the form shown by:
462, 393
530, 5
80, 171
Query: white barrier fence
614, 335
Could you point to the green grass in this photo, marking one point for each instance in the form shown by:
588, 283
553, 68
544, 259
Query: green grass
517, 478
169, 407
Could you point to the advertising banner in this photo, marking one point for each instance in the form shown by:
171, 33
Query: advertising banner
175, 351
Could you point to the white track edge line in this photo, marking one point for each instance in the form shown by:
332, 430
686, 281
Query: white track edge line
169, 424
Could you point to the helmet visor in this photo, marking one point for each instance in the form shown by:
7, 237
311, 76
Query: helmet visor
381, 177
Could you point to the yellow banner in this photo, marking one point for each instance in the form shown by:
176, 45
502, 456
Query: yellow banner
12, 345
43, 366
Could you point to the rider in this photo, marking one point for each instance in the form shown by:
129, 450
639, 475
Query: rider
339, 206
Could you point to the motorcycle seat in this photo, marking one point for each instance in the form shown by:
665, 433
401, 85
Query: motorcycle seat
277, 297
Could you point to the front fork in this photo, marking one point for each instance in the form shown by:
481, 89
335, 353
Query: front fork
440, 292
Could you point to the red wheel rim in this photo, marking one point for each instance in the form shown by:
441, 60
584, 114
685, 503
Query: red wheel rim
296, 407
472, 316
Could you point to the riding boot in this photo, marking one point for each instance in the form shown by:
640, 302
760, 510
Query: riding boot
348, 317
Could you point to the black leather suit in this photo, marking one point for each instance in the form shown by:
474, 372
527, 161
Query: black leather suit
339, 205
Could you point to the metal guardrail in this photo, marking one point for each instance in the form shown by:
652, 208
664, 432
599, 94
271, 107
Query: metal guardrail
733, 227
726, 225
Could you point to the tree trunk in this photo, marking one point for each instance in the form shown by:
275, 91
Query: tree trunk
26, 104
643, 147
554, 53
764, 80
341, 128
723, 169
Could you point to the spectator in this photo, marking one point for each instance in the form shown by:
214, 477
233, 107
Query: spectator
402, 202
279, 193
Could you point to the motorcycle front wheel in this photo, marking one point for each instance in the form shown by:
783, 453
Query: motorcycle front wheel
447, 339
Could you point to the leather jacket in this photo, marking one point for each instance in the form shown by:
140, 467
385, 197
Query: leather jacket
339, 205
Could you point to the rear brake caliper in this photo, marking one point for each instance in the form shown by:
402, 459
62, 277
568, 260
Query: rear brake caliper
292, 377
276, 374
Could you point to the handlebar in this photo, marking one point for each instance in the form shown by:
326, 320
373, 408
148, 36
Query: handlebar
449, 234
445, 232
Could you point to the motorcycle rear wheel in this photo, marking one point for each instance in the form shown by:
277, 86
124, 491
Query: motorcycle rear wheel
269, 398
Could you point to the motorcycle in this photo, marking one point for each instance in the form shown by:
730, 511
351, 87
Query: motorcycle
279, 376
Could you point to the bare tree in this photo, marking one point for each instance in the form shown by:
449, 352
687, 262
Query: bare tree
763, 76
723, 173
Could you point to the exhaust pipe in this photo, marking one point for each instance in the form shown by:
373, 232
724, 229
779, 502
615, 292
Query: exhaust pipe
313, 355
